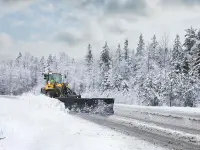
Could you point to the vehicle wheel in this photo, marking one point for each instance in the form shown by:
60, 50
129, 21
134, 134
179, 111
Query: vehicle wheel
42, 91
49, 94
70, 108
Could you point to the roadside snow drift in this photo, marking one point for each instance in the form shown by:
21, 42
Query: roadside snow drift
40, 123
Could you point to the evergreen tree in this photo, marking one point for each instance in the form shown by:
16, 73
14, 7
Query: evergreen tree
153, 48
198, 35
105, 68
140, 47
89, 75
119, 54
50, 62
175, 79
195, 54
89, 57
117, 60
140, 56
125, 63
105, 60
177, 55
190, 39
126, 51
189, 86
42, 65
54, 64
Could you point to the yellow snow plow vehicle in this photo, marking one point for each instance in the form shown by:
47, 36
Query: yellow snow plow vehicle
55, 87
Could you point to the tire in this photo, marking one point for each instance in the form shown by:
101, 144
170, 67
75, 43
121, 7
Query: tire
42, 91
50, 94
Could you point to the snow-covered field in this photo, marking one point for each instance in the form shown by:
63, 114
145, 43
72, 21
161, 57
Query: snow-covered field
40, 123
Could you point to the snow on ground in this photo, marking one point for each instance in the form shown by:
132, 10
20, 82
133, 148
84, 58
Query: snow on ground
153, 128
177, 116
40, 123
164, 109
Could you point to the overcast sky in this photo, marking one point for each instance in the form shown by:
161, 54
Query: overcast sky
42, 27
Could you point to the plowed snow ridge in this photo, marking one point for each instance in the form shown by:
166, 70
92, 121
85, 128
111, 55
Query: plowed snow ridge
37, 123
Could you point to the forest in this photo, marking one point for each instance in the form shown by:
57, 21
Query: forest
152, 74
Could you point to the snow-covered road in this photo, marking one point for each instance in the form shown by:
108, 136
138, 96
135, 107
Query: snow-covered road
40, 123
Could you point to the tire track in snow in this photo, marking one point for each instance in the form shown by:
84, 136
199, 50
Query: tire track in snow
163, 139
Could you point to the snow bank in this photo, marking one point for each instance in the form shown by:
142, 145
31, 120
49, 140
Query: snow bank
40, 123
177, 116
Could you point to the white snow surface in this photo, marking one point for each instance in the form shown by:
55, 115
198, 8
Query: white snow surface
163, 109
177, 116
40, 123
153, 128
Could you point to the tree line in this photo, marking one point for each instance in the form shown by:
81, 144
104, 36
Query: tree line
153, 74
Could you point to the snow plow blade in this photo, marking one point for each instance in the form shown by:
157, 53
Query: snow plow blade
102, 106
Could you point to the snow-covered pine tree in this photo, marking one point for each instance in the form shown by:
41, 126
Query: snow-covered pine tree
140, 47
35, 72
117, 62
119, 54
175, 75
195, 70
88, 76
118, 68
50, 62
2, 79
126, 51
150, 90
195, 61
150, 85
153, 47
187, 65
140, 67
190, 39
42, 65
55, 64
151, 58
177, 55
140, 54
133, 63
63, 63
89, 58
105, 60
105, 70
125, 63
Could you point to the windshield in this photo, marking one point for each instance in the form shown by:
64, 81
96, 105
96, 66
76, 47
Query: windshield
56, 77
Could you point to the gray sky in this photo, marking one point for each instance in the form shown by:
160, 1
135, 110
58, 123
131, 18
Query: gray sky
42, 27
